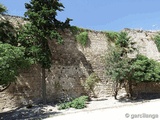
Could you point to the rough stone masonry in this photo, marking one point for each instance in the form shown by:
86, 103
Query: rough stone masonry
72, 64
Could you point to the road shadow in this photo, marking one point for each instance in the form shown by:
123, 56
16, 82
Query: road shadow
24, 113
140, 98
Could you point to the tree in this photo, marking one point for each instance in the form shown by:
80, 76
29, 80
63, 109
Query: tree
11, 60
11, 56
3, 9
118, 62
42, 28
128, 71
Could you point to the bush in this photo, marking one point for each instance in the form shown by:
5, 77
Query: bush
91, 81
82, 38
145, 69
78, 103
157, 41
75, 30
112, 36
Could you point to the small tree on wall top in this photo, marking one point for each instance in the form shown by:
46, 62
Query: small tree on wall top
42, 28
3, 9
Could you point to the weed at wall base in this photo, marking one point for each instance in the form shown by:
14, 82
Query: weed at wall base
78, 103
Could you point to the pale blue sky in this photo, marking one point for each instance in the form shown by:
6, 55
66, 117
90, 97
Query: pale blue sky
103, 14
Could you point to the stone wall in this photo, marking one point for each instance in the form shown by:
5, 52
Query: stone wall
72, 64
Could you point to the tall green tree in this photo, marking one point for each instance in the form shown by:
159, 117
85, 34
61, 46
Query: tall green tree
118, 62
43, 27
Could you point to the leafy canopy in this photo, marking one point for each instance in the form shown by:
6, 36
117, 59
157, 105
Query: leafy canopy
145, 69
3, 9
36, 35
11, 55
11, 60
117, 60
43, 27
120, 67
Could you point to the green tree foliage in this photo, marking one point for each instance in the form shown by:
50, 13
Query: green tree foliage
118, 63
11, 56
157, 41
91, 82
7, 31
125, 44
3, 9
11, 60
145, 69
117, 60
43, 27
117, 67
125, 70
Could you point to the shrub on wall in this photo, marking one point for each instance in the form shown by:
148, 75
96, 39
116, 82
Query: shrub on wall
82, 38
75, 30
112, 36
90, 83
157, 41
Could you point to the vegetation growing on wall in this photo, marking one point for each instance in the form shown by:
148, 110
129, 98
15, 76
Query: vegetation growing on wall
157, 41
91, 82
82, 38
81, 35
3, 9
112, 36
75, 30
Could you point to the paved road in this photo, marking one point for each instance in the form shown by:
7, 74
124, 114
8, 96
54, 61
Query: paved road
144, 111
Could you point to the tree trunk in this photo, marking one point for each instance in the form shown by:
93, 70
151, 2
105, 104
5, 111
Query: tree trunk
130, 88
43, 86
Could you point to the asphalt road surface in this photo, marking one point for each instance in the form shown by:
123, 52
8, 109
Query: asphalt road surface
145, 111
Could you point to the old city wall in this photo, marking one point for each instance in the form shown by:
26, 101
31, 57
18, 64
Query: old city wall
72, 64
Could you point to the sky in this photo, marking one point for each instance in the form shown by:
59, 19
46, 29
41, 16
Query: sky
102, 15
